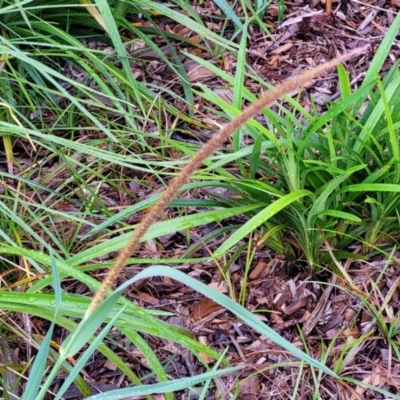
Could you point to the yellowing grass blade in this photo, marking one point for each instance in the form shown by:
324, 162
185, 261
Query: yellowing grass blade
94, 13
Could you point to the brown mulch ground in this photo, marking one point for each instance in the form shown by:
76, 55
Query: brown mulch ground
313, 312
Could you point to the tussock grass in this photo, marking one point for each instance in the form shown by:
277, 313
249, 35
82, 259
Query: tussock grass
71, 144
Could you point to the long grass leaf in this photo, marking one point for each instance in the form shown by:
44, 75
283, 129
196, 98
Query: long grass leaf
163, 387
259, 219
86, 355
159, 229
233, 307
229, 12
39, 365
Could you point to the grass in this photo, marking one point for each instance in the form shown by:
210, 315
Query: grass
309, 186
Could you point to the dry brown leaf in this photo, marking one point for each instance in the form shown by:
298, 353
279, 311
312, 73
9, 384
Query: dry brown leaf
204, 307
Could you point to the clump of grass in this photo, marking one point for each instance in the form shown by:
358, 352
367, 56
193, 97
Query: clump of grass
209, 148
62, 152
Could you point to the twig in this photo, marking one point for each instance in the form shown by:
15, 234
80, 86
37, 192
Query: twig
328, 6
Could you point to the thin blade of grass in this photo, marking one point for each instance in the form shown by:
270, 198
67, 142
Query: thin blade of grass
163, 387
159, 229
229, 12
39, 365
233, 307
259, 219
78, 367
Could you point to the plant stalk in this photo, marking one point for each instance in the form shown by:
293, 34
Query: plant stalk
206, 151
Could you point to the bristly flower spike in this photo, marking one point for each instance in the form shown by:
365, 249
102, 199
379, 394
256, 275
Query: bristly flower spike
206, 151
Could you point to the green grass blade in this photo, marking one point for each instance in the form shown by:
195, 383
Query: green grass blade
380, 56
164, 387
153, 362
39, 365
87, 354
376, 115
238, 92
259, 219
344, 82
393, 141
160, 229
255, 156
319, 204
341, 214
371, 187
87, 327
233, 307
229, 12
